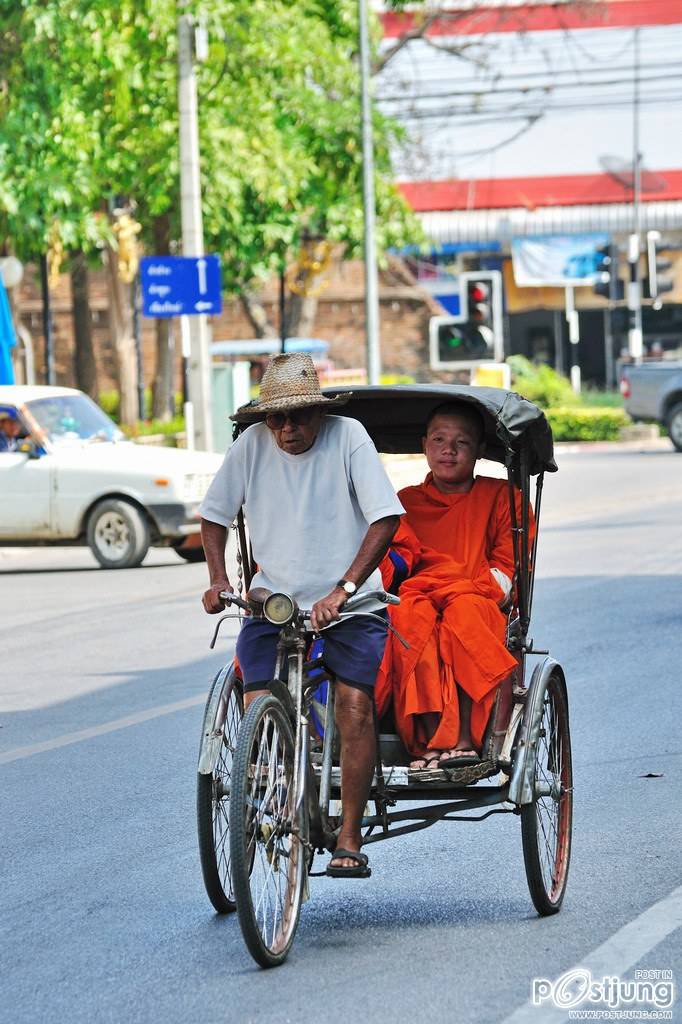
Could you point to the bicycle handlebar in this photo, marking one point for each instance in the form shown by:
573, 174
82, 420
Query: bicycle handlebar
352, 602
227, 595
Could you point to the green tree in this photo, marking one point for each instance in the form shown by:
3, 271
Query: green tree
89, 112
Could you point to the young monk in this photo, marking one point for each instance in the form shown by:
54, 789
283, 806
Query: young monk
456, 534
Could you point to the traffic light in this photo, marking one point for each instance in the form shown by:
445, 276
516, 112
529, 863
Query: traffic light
458, 341
656, 281
479, 310
475, 335
607, 265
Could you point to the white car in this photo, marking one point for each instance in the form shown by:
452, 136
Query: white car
72, 478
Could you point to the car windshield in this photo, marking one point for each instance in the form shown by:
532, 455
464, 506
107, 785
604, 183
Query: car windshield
72, 417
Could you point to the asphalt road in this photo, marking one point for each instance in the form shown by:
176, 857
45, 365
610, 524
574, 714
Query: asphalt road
104, 917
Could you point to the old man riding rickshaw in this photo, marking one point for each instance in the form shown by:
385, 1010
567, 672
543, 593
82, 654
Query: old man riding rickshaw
268, 797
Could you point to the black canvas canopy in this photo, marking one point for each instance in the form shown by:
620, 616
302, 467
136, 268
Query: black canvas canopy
395, 418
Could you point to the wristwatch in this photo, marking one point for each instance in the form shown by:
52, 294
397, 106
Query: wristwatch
346, 585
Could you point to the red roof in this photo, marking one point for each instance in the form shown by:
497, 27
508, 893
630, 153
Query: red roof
556, 190
538, 17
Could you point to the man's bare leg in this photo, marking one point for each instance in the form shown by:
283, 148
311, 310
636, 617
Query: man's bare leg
355, 722
252, 695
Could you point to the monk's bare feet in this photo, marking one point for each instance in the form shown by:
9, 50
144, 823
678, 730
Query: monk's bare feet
426, 762
459, 755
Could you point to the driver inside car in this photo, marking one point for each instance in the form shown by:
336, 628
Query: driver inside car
10, 430
321, 513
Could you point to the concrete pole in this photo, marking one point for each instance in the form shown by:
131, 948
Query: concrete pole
199, 368
371, 278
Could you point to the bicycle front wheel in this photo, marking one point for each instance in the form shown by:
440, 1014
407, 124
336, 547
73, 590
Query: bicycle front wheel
546, 823
268, 857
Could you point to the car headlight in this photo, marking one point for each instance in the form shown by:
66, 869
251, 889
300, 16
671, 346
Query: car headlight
195, 486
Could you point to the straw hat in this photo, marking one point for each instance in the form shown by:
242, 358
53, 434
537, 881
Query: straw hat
289, 382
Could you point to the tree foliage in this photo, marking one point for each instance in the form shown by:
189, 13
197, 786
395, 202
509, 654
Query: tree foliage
88, 111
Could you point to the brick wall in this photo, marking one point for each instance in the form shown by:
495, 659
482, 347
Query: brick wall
404, 316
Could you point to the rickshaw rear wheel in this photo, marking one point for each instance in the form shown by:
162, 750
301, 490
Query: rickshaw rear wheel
213, 801
546, 823
268, 857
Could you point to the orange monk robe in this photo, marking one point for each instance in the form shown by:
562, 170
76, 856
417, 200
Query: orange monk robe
449, 611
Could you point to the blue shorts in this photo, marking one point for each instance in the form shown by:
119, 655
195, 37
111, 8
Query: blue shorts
352, 651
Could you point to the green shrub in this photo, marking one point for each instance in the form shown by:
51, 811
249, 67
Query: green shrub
541, 384
576, 424
601, 399
147, 427
108, 401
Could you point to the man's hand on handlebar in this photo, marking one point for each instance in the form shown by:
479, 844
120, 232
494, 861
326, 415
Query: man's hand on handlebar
212, 601
326, 610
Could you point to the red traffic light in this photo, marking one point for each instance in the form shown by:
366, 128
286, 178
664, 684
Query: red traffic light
478, 292
478, 295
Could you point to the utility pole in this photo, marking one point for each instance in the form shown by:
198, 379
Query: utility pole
635, 336
198, 415
282, 306
371, 279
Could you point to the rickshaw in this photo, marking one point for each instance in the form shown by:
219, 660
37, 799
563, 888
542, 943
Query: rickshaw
269, 781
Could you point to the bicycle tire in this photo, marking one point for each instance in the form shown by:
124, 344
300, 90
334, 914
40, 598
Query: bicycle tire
213, 821
546, 831
261, 840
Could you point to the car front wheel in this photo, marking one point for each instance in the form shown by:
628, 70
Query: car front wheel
190, 552
675, 425
117, 534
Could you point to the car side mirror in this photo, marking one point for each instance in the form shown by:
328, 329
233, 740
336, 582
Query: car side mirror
30, 448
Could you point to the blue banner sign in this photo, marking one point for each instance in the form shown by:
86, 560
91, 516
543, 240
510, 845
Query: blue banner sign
558, 260
180, 285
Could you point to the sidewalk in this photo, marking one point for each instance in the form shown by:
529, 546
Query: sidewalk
661, 444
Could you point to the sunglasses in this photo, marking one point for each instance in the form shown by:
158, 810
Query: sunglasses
297, 417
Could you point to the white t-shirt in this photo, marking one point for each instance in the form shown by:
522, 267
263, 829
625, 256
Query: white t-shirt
307, 514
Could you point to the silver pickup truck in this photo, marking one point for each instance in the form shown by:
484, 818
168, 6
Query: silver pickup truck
653, 391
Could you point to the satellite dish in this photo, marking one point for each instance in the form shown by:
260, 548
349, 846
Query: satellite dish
623, 172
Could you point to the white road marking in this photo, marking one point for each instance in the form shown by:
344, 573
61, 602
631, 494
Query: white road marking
616, 956
99, 730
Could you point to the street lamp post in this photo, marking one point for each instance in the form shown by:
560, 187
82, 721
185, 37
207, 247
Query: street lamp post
635, 334
371, 277
195, 331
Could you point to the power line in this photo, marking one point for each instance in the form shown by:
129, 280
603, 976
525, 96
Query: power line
478, 83
495, 115
524, 89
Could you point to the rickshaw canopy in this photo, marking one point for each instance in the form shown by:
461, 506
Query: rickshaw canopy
395, 417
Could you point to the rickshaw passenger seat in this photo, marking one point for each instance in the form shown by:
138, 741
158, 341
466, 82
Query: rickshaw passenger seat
400, 572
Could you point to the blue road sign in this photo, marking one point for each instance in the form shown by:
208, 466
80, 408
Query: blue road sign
180, 285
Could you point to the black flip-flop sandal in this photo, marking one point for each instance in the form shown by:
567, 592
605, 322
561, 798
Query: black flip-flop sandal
361, 869
464, 761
